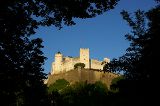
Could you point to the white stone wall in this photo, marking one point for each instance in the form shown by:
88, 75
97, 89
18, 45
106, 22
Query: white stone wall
95, 64
67, 64
76, 60
52, 68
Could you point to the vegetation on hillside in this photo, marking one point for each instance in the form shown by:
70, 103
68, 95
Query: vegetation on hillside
96, 94
114, 87
83, 93
59, 85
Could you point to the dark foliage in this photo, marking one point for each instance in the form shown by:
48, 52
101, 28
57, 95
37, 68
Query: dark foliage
79, 65
31, 13
58, 85
80, 94
21, 58
21, 73
139, 64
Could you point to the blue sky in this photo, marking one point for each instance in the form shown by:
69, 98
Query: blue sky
103, 35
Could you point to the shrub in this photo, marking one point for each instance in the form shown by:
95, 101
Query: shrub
58, 85
79, 65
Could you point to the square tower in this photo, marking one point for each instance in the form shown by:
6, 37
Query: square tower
57, 66
84, 56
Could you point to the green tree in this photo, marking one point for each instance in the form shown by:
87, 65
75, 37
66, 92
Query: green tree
82, 93
59, 85
79, 65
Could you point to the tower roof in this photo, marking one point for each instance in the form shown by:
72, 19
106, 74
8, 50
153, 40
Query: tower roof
84, 48
59, 52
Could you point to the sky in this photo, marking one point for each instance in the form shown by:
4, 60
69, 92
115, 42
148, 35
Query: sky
103, 35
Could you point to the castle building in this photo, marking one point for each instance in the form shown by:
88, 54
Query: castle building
64, 64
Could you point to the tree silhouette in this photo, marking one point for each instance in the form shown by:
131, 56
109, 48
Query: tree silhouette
139, 64
139, 61
21, 69
28, 14
21, 58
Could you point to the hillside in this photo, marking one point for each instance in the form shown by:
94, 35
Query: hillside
90, 76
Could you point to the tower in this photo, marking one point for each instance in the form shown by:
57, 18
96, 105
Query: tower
107, 60
84, 57
58, 63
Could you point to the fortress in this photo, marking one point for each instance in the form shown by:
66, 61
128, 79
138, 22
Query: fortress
63, 64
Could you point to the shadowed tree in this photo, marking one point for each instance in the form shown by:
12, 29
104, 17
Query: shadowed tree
82, 93
28, 14
21, 58
139, 64
58, 85
139, 61
21, 70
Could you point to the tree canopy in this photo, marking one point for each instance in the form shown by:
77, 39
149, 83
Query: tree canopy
139, 61
26, 15
139, 64
82, 93
58, 85
79, 65
21, 58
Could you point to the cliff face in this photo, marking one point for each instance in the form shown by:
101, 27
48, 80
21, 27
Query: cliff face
90, 76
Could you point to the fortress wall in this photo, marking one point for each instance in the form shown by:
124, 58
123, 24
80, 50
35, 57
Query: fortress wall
95, 64
66, 59
52, 68
69, 63
75, 60
56, 69
91, 76
63, 64
97, 75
